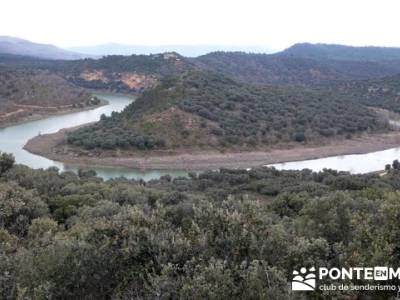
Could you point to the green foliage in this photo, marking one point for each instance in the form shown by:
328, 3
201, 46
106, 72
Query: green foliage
340, 52
216, 235
382, 93
6, 162
18, 207
24, 91
296, 69
232, 114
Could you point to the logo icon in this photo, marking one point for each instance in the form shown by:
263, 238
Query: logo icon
381, 273
305, 280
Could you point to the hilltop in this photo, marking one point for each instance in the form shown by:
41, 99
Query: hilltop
341, 52
111, 71
208, 110
128, 74
291, 70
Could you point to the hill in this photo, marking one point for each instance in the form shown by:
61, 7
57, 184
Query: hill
340, 52
137, 72
207, 110
17, 46
26, 93
283, 69
118, 73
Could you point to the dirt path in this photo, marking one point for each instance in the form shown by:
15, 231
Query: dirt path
45, 145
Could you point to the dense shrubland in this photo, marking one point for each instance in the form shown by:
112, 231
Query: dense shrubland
287, 68
304, 67
157, 64
323, 52
224, 234
204, 107
383, 93
38, 88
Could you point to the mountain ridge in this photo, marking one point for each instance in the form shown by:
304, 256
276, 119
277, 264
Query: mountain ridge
18, 46
321, 51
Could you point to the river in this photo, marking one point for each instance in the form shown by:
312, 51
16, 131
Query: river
353, 163
13, 139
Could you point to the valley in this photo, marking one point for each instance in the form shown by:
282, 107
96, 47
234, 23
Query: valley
210, 111
186, 150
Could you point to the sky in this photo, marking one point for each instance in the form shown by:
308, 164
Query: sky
273, 23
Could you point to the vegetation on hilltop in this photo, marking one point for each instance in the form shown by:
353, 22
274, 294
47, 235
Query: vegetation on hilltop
24, 92
110, 70
229, 234
283, 69
38, 88
210, 110
341, 52
280, 68
157, 66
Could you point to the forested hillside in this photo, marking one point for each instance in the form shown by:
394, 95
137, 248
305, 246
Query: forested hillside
117, 73
137, 72
204, 109
381, 92
27, 92
284, 69
341, 52
228, 234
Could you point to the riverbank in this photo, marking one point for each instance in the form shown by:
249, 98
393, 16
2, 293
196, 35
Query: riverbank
46, 114
48, 146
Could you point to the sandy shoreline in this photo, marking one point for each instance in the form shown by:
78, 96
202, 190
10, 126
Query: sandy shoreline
44, 145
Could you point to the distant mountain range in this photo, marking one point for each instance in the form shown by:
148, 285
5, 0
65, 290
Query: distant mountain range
316, 52
17, 46
302, 64
185, 50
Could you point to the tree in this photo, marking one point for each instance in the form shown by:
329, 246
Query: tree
299, 137
6, 162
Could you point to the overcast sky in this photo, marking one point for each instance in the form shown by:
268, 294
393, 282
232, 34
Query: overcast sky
275, 23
